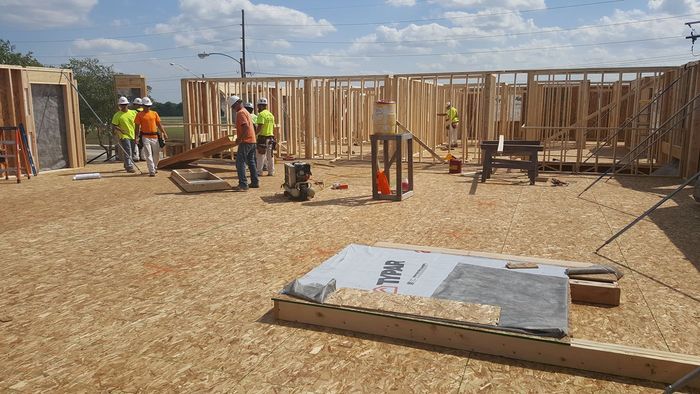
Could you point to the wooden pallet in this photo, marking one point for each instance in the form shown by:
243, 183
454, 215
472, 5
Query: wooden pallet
198, 180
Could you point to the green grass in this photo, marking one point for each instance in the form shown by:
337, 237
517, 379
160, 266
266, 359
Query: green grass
172, 124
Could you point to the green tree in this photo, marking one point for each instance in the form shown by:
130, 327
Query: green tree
168, 108
96, 84
9, 56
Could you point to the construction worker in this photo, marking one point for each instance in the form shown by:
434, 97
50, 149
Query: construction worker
137, 106
151, 135
265, 125
123, 126
452, 123
245, 140
249, 107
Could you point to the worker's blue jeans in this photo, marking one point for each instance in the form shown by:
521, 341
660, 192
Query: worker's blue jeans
246, 156
128, 160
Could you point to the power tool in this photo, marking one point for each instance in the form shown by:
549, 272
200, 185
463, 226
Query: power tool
296, 181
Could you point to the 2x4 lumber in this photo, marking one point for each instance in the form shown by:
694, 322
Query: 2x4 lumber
595, 292
693, 157
421, 143
611, 359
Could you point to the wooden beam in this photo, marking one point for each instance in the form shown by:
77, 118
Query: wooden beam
594, 292
619, 360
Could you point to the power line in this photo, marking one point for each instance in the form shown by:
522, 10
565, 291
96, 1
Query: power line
396, 55
132, 35
145, 51
444, 18
469, 53
471, 37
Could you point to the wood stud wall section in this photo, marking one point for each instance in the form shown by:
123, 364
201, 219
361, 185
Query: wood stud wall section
16, 106
573, 112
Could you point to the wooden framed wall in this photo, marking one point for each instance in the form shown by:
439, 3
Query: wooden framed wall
130, 86
17, 106
586, 118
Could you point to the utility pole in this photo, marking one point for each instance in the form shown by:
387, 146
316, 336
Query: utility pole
693, 36
243, 72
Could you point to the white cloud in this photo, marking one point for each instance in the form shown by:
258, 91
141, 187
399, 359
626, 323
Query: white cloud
401, 3
481, 41
510, 4
108, 45
678, 7
264, 23
46, 13
291, 61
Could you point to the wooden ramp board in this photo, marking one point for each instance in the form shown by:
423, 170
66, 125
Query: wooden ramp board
198, 180
619, 360
431, 308
582, 291
197, 153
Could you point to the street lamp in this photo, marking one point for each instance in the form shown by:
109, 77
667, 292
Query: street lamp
240, 62
185, 68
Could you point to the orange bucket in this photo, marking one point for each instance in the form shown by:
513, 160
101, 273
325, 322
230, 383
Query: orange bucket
455, 166
383, 183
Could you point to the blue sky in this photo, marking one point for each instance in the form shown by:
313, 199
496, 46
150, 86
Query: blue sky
316, 37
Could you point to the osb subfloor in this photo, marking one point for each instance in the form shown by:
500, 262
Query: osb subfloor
128, 284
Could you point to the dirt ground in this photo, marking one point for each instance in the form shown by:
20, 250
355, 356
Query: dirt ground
127, 284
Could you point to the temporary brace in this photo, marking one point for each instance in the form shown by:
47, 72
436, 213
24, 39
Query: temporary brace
653, 137
649, 211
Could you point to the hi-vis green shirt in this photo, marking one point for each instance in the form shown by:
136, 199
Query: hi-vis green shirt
452, 115
125, 121
267, 120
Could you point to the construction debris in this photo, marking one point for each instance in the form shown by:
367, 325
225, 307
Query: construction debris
93, 175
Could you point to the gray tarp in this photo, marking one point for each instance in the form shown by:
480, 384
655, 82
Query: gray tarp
543, 311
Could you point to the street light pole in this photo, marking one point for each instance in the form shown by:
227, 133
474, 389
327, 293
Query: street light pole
240, 62
185, 68
243, 44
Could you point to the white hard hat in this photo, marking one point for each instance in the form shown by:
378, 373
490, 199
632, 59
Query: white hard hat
234, 99
123, 101
449, 104
262, 101
147, 102
138, 101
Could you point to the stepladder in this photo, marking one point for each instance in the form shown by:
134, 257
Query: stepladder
13, 153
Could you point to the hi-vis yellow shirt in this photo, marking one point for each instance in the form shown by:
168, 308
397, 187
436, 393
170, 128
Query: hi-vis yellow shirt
267, 120
452, 115
125, 121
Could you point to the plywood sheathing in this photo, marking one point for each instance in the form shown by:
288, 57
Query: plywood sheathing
100, 299
432, 308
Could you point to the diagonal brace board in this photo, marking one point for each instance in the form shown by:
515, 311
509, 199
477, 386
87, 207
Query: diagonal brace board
619, 360
421, 143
